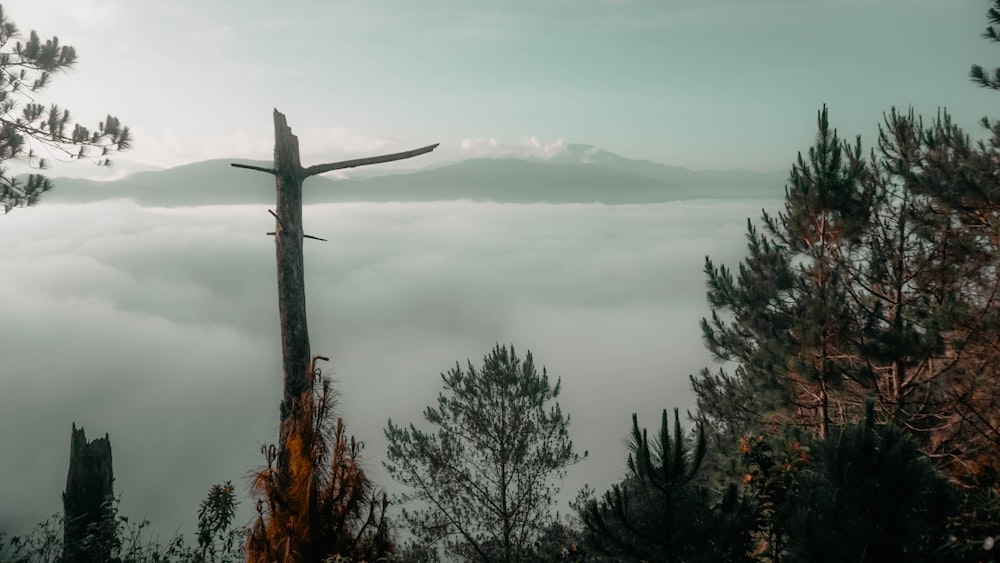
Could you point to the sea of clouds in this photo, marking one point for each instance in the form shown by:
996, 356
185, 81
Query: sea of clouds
159, 327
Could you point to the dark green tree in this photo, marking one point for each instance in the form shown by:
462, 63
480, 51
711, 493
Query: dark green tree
663, 511
485, 474
899, 302
873, 497
784, 318
911, 317
26, 68
826, 210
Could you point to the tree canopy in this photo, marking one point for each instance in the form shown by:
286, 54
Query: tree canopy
883, 287
28, 126
663, 510
486, 472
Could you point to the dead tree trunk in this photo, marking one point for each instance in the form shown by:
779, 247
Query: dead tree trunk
288, 237
88, 532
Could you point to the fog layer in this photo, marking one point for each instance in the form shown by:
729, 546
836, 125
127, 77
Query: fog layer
159, 327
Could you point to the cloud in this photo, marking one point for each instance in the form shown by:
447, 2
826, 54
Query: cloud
159, 327
56, 17
529, 147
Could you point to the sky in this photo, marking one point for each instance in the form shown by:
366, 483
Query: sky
697, 83
159, 326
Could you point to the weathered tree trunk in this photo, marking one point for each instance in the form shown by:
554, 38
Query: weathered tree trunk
88, 531
288, 237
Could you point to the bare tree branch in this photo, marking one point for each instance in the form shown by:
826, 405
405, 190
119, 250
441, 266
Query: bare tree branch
257, 168
321, 168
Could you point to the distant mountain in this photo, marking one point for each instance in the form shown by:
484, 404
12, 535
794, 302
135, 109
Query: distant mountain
514, 181
753, 184
581, 174
210, 182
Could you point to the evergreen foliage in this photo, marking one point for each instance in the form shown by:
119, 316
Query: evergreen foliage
977, 73
26, 68
662, 511
874, 497
784, 318
879, 279
485, 473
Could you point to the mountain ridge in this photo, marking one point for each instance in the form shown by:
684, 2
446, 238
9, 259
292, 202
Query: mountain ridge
580, 174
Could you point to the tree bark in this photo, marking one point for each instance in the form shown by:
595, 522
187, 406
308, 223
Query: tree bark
288, 237
87, 500
288, 234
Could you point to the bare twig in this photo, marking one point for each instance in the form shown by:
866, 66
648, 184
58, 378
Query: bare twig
314, 238
275, 215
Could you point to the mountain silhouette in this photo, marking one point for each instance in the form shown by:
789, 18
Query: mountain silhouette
580, 174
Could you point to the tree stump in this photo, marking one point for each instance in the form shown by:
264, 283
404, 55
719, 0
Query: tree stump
88, 533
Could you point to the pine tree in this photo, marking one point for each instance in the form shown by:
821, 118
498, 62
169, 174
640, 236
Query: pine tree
898, 325
25, 70
663, 511
923, 283
784, 319
915, 322
485, 474
874, 497
898, 303
826, 210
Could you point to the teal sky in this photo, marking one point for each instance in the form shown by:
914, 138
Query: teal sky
695, 83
